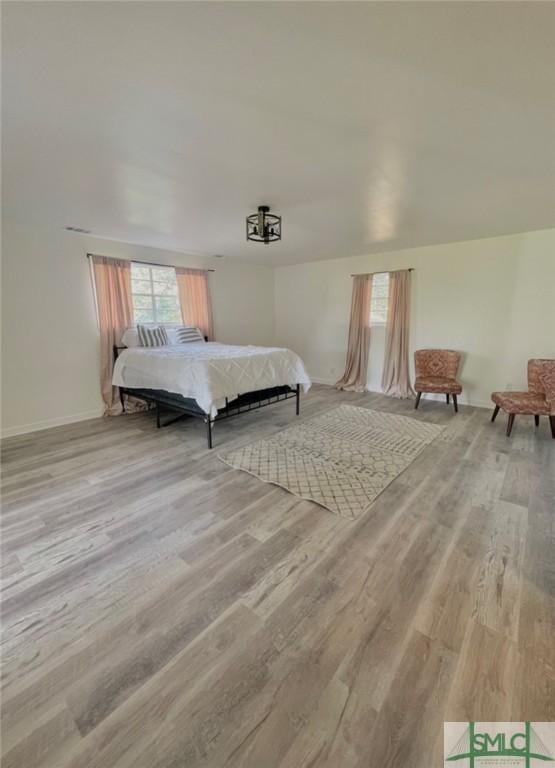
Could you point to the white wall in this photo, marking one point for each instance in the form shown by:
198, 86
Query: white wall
50, 348
492, 299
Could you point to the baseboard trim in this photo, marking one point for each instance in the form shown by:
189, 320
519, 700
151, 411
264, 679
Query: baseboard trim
328, 382
430, 396
36, 426
462, 400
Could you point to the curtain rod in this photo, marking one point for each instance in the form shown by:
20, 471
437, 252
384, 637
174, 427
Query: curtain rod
384, 272
154, 263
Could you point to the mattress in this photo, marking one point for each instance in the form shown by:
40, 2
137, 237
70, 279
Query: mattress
209, 372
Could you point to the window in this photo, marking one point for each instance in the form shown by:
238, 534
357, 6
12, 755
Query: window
155, 297
380, 298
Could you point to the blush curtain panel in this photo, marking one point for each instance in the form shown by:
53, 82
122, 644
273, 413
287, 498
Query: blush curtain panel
112, 280
356, 364
194, 296
395, 377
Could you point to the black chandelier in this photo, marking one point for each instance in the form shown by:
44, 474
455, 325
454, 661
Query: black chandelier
263, 227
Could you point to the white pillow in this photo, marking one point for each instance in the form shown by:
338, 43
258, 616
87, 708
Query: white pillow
130, 338
171, 336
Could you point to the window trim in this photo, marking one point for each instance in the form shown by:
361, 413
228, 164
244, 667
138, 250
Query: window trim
154, 295
380, 323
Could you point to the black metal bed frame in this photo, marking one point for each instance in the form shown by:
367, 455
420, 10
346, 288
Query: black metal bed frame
184, 406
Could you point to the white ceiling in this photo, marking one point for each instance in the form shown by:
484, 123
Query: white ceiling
368, 126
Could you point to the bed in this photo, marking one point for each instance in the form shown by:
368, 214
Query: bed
208, 380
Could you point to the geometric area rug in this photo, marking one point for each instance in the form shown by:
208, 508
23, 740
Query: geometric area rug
342, 460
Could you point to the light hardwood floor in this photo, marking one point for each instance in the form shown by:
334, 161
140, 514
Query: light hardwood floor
164, 610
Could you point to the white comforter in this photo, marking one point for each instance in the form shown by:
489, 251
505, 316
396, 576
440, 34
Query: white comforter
209, 372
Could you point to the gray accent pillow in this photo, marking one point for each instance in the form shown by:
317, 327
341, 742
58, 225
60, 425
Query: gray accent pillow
185, 334
152, 337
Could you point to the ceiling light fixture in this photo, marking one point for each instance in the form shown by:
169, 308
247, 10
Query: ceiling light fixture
263, 227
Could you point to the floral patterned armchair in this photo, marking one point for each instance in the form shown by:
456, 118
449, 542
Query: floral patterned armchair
436, 371
538, 401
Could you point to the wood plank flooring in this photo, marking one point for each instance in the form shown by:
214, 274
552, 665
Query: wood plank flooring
163, 610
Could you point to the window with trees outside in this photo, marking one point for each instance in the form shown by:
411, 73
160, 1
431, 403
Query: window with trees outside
380, 298
155, 297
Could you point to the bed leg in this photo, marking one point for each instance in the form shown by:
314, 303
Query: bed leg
122, 400
298, 400
157, 416
209, 432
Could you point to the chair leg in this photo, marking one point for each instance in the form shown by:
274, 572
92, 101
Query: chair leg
417, 403
537, 420
495, 412
455, 403
447, 398
552, 424
510, 423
